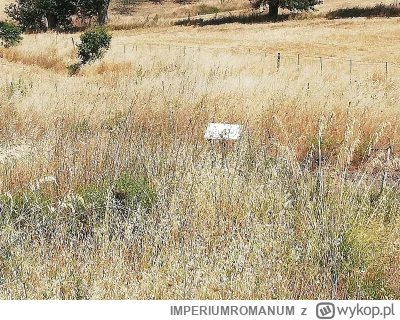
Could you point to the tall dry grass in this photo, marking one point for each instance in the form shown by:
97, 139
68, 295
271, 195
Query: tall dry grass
108, 189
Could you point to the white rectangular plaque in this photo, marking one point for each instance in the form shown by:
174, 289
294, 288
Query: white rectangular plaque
223, 131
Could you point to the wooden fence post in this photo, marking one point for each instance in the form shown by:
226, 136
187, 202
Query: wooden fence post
351, 66
278, 61
320, 62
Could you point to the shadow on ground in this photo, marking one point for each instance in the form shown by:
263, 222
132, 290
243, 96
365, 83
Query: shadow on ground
379, 10
242, 18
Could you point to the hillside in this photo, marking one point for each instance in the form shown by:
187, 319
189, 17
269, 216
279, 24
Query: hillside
138, 11
109, 190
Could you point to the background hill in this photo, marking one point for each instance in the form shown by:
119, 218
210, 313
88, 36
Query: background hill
138, 10
108, 189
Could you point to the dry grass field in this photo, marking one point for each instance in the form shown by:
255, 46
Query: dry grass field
108, 189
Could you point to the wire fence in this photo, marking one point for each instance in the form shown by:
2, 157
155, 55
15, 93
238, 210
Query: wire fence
279, 59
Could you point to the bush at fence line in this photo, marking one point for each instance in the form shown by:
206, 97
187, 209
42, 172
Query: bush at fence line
10, 34
94, 44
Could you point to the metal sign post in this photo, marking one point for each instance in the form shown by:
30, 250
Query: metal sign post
222, 132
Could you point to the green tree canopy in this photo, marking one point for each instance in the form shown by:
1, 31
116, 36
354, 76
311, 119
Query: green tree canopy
35, 15
94, 43
274, 5
10, 35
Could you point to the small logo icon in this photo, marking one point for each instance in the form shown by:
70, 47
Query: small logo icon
325, 310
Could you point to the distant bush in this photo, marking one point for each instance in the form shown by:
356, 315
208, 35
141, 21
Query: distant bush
94, 44
205, 9
129, 2
183, 1
10, 34
379, 10
73, 69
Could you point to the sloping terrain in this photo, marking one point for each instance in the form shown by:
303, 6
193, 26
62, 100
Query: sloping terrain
108, 189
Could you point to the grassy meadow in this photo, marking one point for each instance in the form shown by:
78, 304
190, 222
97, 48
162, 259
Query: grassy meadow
108, 189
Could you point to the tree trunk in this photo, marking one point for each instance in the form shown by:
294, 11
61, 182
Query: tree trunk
102, 12
273, 6
52, 20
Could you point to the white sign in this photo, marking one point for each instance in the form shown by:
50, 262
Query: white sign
223, 131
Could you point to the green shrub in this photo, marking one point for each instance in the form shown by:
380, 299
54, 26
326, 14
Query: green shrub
183, 1
129, 2
73, 69
205, 9
94, 43
10, 34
